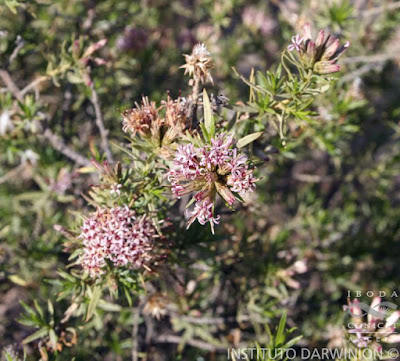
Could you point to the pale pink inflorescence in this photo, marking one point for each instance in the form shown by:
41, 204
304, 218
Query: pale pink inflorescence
117, 235
320, 54
216, 167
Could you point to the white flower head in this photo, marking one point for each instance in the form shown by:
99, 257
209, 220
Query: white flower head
29, 156
296, 42
201, 50
116, 189
5, 123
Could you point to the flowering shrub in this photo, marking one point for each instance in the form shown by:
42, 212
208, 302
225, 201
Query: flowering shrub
128, 131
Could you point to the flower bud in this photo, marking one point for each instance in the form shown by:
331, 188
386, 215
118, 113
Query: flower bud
320, 38
307, 32
331, 50
326, 67
225, 193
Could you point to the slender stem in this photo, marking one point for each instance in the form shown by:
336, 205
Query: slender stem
135, 329
281, 135
58, 144
20, 44
12, 173
378, 10
100, 124
216, 320
34, 83
371, 58
12, 87
288, 72
359, 72
193, 105
192, 342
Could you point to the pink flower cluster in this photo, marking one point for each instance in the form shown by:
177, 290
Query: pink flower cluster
119, 236
319, 55
214, 168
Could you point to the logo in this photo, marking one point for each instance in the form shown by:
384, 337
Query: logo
378, 311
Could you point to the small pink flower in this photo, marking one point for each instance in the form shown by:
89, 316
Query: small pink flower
116, 189
203, 212
296, 42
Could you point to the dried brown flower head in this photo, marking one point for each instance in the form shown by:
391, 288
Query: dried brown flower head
175, 112
198, 64
156, 306
141, 118
159, 126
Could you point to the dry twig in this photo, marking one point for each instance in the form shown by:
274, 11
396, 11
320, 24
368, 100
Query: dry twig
380, 9
191, 342
58, 144
100, 124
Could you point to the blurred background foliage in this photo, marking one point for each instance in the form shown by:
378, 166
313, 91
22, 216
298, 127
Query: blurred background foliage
325, 218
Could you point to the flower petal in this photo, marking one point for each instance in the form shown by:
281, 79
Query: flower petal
392, 319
